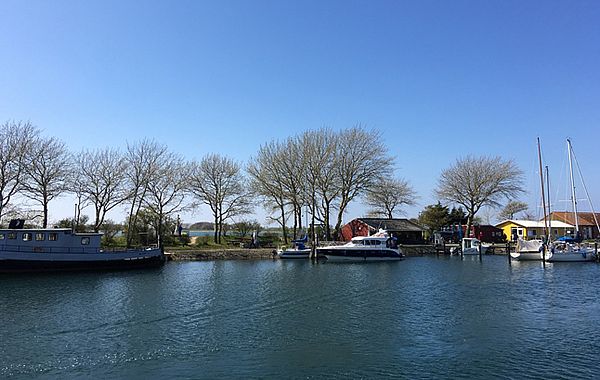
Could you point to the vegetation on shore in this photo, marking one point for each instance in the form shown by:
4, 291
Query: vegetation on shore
317, 172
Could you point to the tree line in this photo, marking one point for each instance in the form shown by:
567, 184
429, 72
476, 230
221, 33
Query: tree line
316, 172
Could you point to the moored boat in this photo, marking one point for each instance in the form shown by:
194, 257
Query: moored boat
573, 252
61, 249
470, 246
297, 251
378, 247
528, 250
570, 249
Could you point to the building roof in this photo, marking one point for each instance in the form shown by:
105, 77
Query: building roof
391, 224
535, 223
584, 218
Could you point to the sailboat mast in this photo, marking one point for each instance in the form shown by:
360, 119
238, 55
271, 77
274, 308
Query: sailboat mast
549, 208
542, 187
573, 198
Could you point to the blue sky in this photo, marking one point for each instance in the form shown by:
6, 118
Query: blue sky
439, 79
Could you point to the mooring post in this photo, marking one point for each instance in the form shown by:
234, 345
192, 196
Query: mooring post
596, 251
480, 250
508, 252
544, 255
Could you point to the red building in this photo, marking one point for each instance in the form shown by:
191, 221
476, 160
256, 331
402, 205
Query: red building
485, 233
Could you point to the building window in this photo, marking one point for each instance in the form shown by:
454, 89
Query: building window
52, 236
40, 236
85, 241
27, 236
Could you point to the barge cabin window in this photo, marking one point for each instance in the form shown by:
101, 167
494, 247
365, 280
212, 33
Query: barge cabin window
12, 235
52, 236
85, 241
27, 236
1, 236
39, 236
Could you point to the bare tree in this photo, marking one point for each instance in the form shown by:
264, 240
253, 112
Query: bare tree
474, 182
512, 208
101, 174
389, 194
363, 160
317, 151
47, 171
16, 140
218, 182
268, 180
143, 159
323, 142
166, 190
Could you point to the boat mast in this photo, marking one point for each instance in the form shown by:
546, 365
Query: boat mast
573, 198
542, 188
587, 194
549, 209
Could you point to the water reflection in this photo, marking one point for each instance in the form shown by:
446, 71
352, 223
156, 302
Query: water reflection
422, 317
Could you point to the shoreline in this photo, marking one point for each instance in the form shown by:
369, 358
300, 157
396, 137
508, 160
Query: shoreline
194, 254
220, 254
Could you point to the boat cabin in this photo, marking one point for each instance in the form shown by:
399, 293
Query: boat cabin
383, 242
49, 240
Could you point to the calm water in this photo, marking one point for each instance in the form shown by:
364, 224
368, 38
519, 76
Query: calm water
419, 318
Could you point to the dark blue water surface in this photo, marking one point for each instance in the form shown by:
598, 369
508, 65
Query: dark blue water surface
423, 317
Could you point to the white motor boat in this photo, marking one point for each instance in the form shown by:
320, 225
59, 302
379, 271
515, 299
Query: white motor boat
378, 247
470, 246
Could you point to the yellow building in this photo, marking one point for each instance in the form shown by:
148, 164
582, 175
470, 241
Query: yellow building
533, 229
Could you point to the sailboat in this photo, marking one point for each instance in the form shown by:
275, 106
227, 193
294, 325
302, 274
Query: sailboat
571, 249
534, 249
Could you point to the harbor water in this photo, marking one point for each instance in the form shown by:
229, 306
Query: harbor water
424, 317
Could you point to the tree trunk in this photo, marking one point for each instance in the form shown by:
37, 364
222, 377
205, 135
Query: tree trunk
216, 238
285, 237
45, 222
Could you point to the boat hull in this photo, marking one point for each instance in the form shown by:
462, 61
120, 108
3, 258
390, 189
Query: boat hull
526, 256
571, 257
294, 254
19, 262
357, 255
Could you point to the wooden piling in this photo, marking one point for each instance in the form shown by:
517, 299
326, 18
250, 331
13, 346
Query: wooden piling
507, 249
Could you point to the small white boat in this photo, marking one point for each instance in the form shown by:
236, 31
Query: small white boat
59, 249
378, 247
470, 246
528, 250
297, 251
